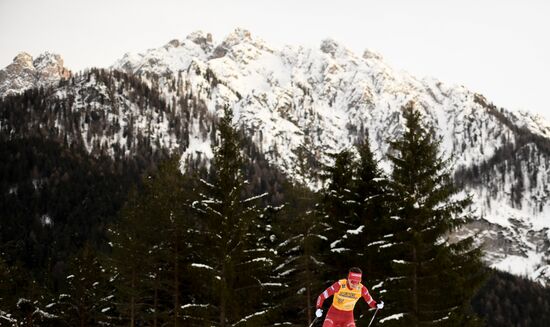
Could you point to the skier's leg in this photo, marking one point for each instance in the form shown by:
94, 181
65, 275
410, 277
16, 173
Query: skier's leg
328, 323
349, 322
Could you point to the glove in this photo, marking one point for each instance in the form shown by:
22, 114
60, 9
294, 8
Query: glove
380, 305
319, 313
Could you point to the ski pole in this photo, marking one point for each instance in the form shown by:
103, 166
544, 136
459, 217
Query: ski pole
314, 320
374, 315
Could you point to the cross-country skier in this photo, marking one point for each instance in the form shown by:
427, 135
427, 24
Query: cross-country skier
346, 293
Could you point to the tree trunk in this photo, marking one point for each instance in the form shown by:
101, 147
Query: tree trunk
414, 289
308, 293
155, 305
222, 297
132, 301
82, 315
176, 282
308, 286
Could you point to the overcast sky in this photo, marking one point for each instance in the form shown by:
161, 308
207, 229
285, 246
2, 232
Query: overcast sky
500, 48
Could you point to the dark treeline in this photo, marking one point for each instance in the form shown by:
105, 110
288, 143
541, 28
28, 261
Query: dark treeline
101, 238
507, 300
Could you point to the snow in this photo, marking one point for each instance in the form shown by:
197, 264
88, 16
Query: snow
7, 317
396, 316
254, 198
376, 243
356, 231
46, 220
519, 265
272, 284
191, 305
377, 285
200, 265
259, 313
44, 314
333, 244
339, 250
261, 259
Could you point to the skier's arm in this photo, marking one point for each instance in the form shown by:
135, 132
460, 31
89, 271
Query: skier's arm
367, 297
327, 293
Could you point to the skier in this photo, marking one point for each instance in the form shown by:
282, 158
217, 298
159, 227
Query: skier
346, 293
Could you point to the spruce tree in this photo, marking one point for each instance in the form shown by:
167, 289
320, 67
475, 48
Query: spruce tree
152, 248
131, 263
301, 268
355, 211
339, 210
433, 278
235, 261
85, 300
8, 288
370, 227
372, 193
169, 200
299, 231
23, 300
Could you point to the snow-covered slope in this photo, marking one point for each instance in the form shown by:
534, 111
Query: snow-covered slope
25, 72
329, 97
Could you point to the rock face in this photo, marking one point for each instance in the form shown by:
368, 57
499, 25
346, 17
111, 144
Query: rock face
25, 73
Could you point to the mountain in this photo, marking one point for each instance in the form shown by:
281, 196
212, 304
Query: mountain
25, 72
326, 99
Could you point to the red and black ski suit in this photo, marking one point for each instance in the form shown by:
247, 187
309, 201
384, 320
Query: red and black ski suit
340, 313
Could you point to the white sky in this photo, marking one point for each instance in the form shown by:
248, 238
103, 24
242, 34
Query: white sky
500, 48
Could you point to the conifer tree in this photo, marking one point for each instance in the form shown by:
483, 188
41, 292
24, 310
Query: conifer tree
339, 210
169, 200
235, 260
86, 299
355, 210
130, 261
23, 300
433, 278
368, 225
7, 301
152, 249
371, 191
300, 233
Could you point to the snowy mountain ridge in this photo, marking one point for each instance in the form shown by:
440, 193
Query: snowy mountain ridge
328, 98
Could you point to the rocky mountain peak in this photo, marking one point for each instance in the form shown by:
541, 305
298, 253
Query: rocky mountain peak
23, 60
369, 54
330, 46
238, 35
236, 38
50, 66
201, 38
24, 72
